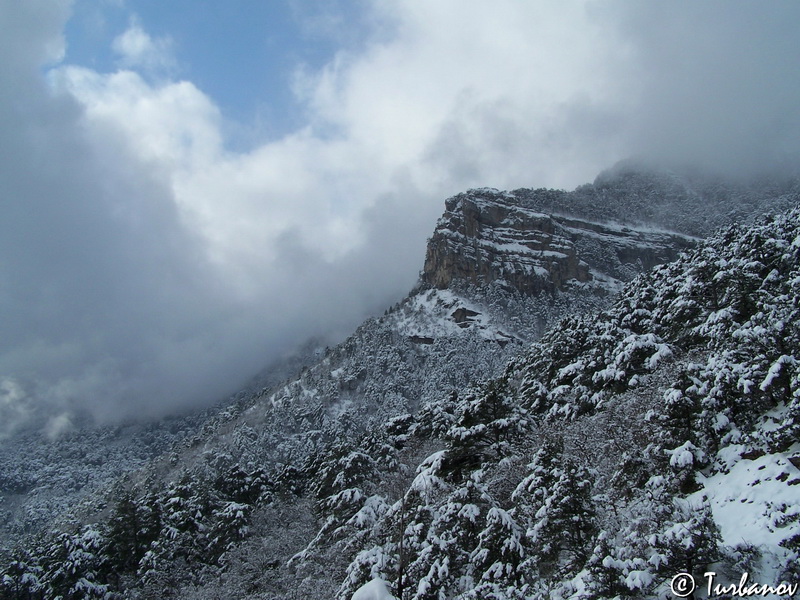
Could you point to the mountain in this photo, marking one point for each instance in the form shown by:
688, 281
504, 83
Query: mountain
438, 450
487, 236
659, 437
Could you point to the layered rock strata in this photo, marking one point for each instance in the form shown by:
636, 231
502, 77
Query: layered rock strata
487, 236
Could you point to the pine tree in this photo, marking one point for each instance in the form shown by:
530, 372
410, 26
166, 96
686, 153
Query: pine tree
677, 451
133, 527
500, 550
689, 540
77, 567
488, 422
442, 567
229, 526
246, 487
556, 501
606, 571
22, 578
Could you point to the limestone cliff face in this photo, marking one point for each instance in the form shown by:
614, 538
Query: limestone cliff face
489, 236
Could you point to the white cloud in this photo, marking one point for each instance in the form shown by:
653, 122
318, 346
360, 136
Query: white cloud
138, 50
15, 406
171, 124
150, 266
481, 100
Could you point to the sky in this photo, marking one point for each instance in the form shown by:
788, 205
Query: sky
190, 189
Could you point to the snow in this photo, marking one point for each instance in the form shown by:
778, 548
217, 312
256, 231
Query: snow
683, 456
469, 512
374, 590
429, 314
775, 370
663, 351
373, 508
720, 422
639, 580
748, 501
753, 501
426, 482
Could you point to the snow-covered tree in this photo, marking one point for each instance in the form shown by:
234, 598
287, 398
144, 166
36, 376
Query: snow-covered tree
556, 502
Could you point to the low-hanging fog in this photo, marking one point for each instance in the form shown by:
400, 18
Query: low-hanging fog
147, 265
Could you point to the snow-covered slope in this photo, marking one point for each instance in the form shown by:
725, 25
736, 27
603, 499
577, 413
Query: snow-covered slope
414, 452
660, 437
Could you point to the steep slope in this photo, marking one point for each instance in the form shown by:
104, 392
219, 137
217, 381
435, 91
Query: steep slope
660, 438
691, 202
43, 475
313, 467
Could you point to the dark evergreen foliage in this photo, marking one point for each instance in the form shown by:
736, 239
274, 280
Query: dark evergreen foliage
579, 468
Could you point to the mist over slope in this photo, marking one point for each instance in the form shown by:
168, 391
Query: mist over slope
155, 251
401, 453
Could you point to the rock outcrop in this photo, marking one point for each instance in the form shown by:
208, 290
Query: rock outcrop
489, 236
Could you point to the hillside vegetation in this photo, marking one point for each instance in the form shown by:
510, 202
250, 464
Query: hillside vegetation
450, 458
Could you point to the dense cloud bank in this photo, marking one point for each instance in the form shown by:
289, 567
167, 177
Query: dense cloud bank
147, 267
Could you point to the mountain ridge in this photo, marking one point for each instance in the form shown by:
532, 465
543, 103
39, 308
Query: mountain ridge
316, 450
486, 235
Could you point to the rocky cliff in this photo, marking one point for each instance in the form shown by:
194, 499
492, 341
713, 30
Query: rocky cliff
301, 489
490, 236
